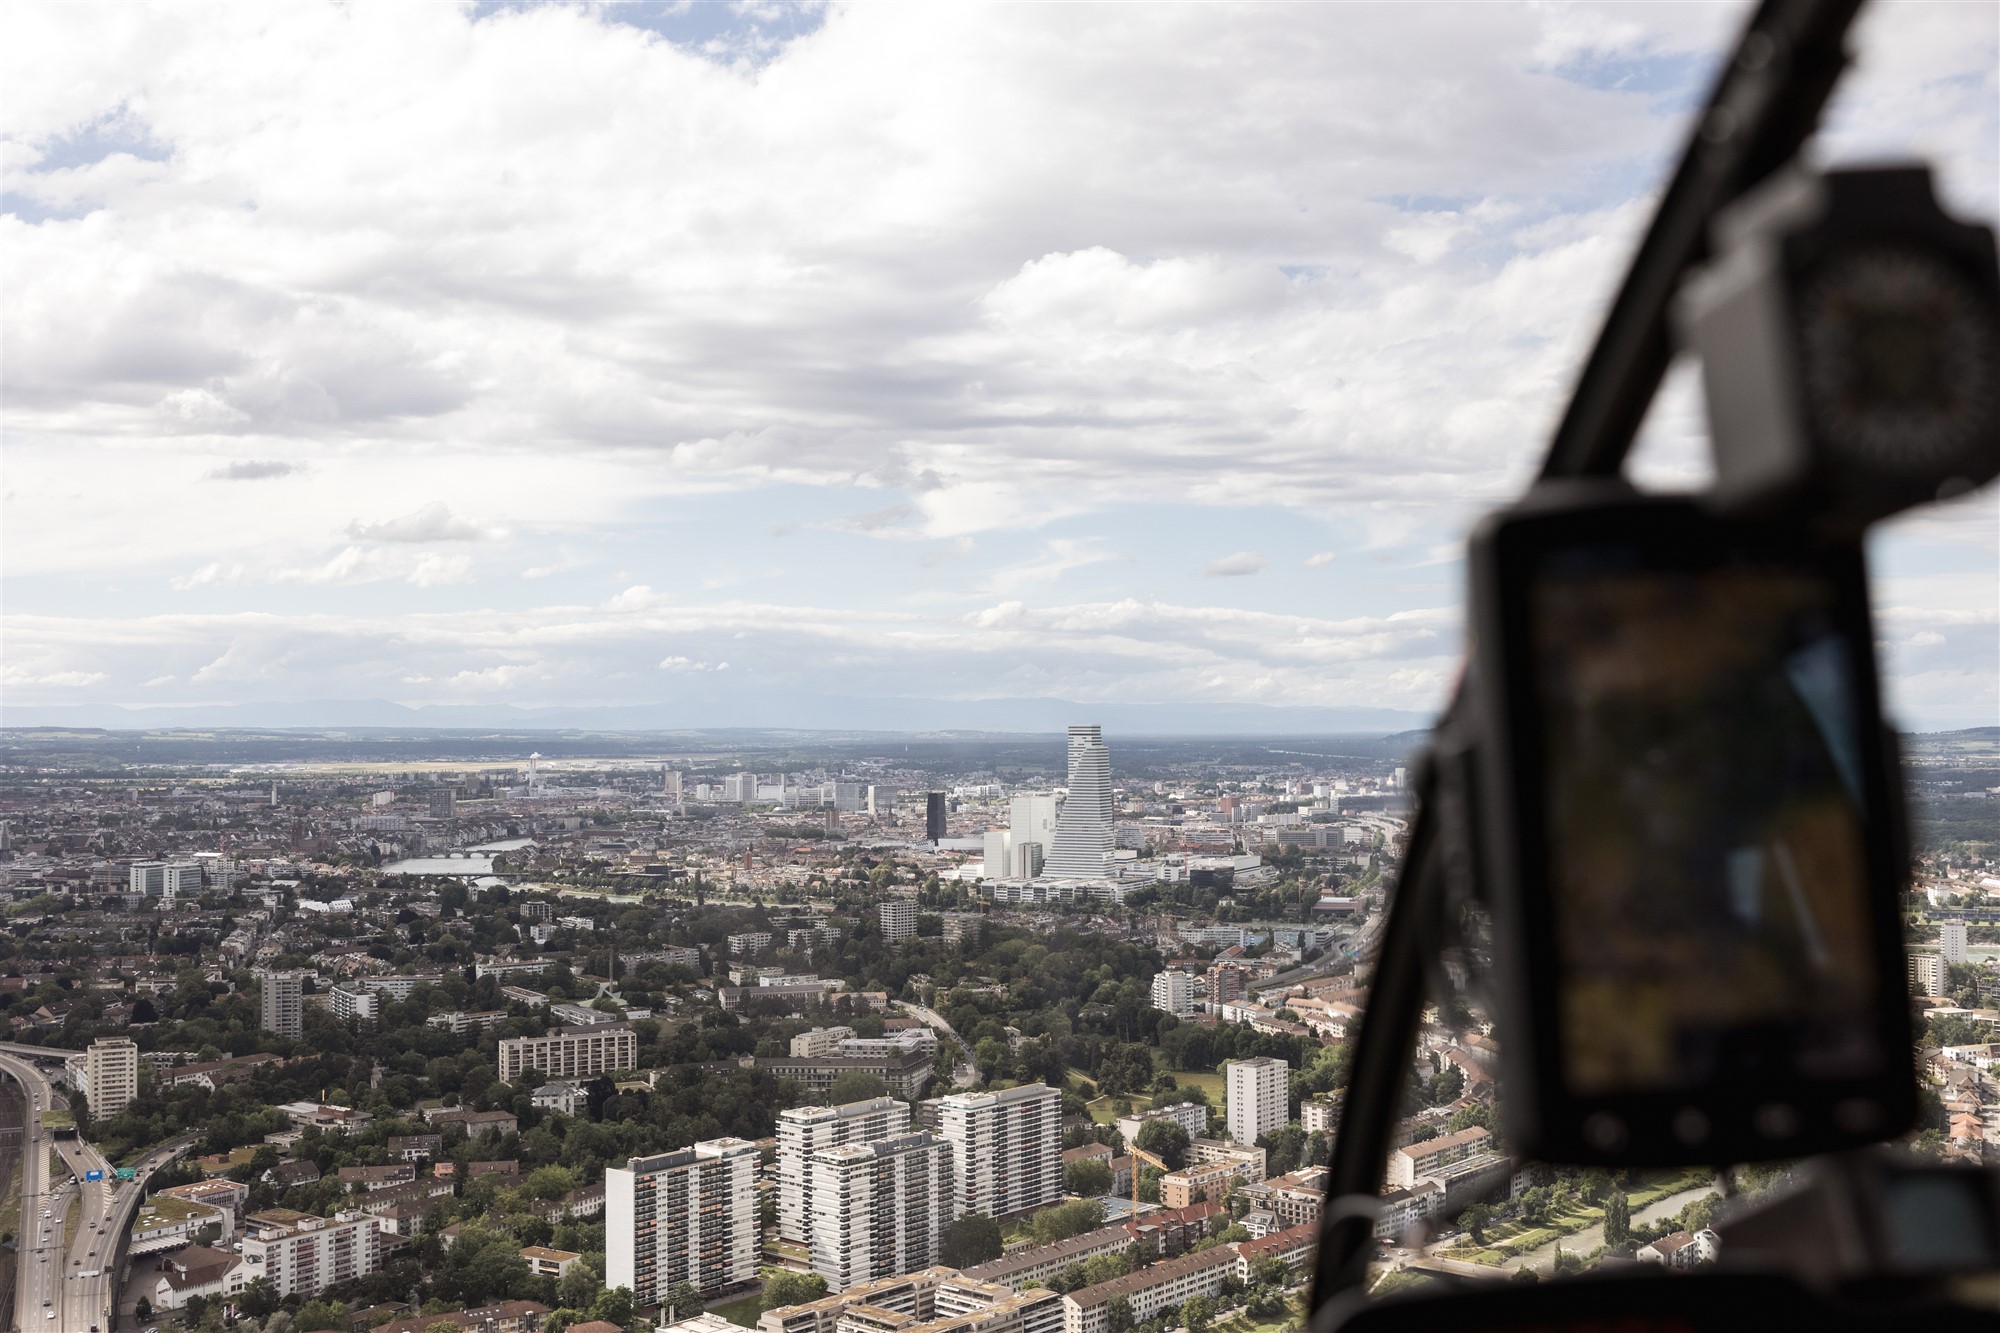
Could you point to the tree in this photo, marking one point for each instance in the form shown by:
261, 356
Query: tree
328, 1314
972, 1239
1166, 1140
1087, 1177
1065, 1220
1119, 1314
784, 1287
1474, 1220
1617, 1218
1196, 1312
683, 1302
856, 1085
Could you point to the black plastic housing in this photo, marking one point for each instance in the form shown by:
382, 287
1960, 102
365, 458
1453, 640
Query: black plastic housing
1744, 1114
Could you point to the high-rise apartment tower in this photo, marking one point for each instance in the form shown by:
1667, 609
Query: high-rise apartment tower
283, 1004
1258, 1101
687, 1216
805, 1130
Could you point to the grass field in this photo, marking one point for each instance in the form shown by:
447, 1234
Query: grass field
1103, 1113
742, 1312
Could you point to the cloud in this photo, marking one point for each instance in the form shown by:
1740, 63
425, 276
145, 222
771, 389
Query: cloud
1321, 559
432, 523
1240, 564
263, 469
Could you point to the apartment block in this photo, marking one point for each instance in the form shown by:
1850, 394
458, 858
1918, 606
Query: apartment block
1151, 1290
879, 1209
805, 1130
687, 1216
1258, 1092
282, 1004
1008, 1146
1407, 1164
297, 1252
1039, 1263
570, 1052
898, 917
1173, 992
111, 1076
352, 1003
1190, 1116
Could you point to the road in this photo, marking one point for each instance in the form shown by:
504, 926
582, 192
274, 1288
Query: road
931, 1018
70, 1288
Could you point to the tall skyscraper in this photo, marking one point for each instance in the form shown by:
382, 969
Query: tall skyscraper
1007, 1148
110, 1075
283, 1004
1951, 942
1258, 1097
687, 1216
879, 1209
805, 1130
934, 816
1084, 839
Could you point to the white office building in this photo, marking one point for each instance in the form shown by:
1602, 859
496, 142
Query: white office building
1085, 840
149, 878
1173, 992
1021, 850
181, 879
1951, 942
282, 1004
1007, 1146
740, 788
804, 1131
1257, 1091
879, 1209
687, 1216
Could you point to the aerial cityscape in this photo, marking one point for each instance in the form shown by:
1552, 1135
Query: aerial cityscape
690, 666
988, 1035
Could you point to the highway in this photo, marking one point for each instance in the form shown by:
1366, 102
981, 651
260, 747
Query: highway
70, 1288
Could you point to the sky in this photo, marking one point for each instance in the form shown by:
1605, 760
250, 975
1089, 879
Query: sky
761, 363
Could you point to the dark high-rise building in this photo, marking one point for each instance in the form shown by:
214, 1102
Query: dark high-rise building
934, 816
444, 802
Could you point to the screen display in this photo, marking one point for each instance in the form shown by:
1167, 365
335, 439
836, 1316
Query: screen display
1707, 857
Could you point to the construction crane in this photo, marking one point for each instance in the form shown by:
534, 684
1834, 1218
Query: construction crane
1139, 1155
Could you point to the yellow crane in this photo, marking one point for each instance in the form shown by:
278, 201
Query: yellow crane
1139, 1155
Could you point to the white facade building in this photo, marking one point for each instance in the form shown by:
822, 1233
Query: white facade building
1085, 840
1173, 992
687, 1216
899, 919
298, 1252
282, 1004
1008, 1148
149, 878
1951, 942
570, 1052
111, 1076
804, 1131
879, 1209
1258, 1093
182, 879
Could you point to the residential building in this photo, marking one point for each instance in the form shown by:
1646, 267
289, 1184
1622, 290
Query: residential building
1320, 1115
354, 1003
819, 1041
1085, 841
1927, 974
1248, 1159
458, 1022
1196, 1184
1407, 1208
297, 1252
1681, 1249
567, 1098
1295, 1245
1293, 1199
1951, 942
570, 1052
1173, 992
907, 1073
804, 1131
912, 1295
1008, 1146
687, 1216
1151, 1290
1190, 1116
1039, 1263
545, 1262
749, 943
195, 1271
1258, 1092
1413, 1161
878, 1209
898, 917
111, 1076
282, 1004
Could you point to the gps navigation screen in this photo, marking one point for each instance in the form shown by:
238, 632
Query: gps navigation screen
1706, 852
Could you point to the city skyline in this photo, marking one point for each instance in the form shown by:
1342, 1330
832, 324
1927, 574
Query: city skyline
810, 361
